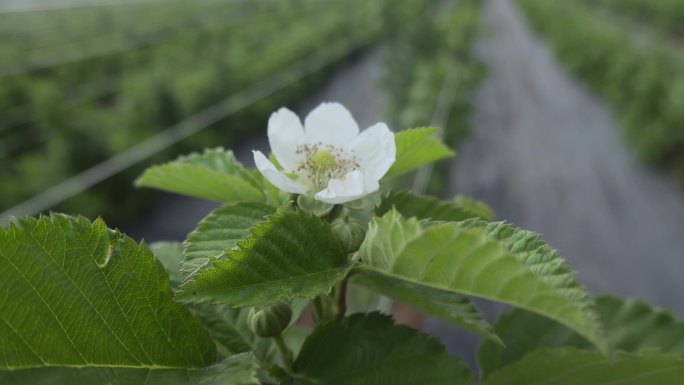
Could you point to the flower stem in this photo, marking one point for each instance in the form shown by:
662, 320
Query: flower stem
342, 298
284, 352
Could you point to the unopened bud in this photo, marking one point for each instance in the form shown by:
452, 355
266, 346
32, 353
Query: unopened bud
271, 320
349, 232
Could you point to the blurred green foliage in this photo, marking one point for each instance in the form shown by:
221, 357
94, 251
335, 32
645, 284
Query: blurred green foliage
636, 67
428, 42
78, 86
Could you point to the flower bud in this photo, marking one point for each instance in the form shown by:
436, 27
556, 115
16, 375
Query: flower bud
349, 232
271, 320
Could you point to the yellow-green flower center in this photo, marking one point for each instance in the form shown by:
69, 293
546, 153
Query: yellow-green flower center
323, 161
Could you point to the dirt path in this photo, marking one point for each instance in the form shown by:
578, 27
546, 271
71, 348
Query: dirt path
548, 156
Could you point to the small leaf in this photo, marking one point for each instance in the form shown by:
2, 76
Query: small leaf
570, 366
214, 175
80, 295
450, 258
632, 326
368, 349
292, 255
415, 148
220, 231
426, 207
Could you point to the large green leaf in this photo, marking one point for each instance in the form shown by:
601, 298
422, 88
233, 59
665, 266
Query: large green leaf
570, 366
220, 231
294, 254
77, 294
632, 326
235, 370
415, 148
548, 266
447, 257
214, 175
368, 349
426, 207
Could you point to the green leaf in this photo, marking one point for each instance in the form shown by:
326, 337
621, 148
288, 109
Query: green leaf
77, 294
294, 254
549, 267
368, 349
426, 207
235, 370
415, 148
632, 326
170, 256
214, 175
570, 366
448, 257
220, 231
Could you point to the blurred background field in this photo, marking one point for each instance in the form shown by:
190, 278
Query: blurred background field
568, 115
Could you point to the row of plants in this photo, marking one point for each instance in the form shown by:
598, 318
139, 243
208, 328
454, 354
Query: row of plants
429, 66
84, 303
84, 112
640, 74
665, 15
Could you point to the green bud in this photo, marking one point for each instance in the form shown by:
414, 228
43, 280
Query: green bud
349, 232
271, 320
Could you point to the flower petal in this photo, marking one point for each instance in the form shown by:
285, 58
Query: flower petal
331, 123
347, 188
269, 171
375, 150
285, 133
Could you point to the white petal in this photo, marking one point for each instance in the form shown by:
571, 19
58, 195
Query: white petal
375, 150
348, 188
269, 171
331, 123
285, 133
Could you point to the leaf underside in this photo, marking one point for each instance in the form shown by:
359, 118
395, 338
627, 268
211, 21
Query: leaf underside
77, 294
215, 175
292, 255
368, 349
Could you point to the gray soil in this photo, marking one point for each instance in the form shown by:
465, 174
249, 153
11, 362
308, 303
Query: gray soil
547, 155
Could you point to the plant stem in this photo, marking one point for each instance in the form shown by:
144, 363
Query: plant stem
335, 212
284, 352
342, 298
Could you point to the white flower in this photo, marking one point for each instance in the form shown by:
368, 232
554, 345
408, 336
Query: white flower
327, 157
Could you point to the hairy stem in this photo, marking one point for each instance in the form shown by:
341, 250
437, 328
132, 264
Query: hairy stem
284, 353
342, 298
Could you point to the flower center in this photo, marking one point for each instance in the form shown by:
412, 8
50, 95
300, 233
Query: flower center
324, 162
